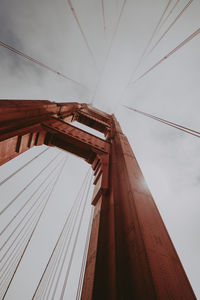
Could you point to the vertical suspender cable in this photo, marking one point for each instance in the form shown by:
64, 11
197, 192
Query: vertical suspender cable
65, 232
171, 25
67, 248
65, 228
189, 38
22, 167
17, 250
75, 242
49, 196
28, 200
30, 182
19, 223
78, 295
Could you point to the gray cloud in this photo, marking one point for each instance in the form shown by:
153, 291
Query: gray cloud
169, 159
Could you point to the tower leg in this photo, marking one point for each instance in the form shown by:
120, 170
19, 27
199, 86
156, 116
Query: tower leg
134, 256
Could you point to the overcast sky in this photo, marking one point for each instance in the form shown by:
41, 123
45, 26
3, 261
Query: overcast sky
46, 30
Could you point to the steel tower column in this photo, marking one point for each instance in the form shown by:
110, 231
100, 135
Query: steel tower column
134, 257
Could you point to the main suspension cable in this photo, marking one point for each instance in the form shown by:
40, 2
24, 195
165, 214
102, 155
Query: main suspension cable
177, 126
38, 63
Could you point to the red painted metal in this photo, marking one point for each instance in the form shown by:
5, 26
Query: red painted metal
130, 253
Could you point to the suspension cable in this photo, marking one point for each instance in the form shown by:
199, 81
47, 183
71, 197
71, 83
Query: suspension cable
20, 240
151, 38
27, 185
145, 49
56, 260
24, 226
49, 196
171, 25
38, 63
31, 223
189, 38
17, 249
22, 167
68, 244
82, 32
108, 53
177, 126
70, 228
75, 241
32, 195
84, 259
169, 14
103, 15
63, 236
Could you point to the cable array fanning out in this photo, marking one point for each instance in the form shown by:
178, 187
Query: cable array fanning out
39, 63
26, 220
47, 287
177, 126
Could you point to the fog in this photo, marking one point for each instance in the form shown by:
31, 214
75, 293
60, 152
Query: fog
169, 159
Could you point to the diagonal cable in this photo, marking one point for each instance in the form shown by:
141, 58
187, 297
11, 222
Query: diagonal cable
28, 200
103, 15
38, 63
65, 231
22, 167
30, 182
82, 32
169, 14
172, 124
108, 53
75, 241
189, 38
145, 49
41, 213
171, 25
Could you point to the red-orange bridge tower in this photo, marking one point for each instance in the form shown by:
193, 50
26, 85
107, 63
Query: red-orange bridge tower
130, 253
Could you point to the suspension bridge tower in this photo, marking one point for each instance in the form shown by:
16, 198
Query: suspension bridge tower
130, 254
